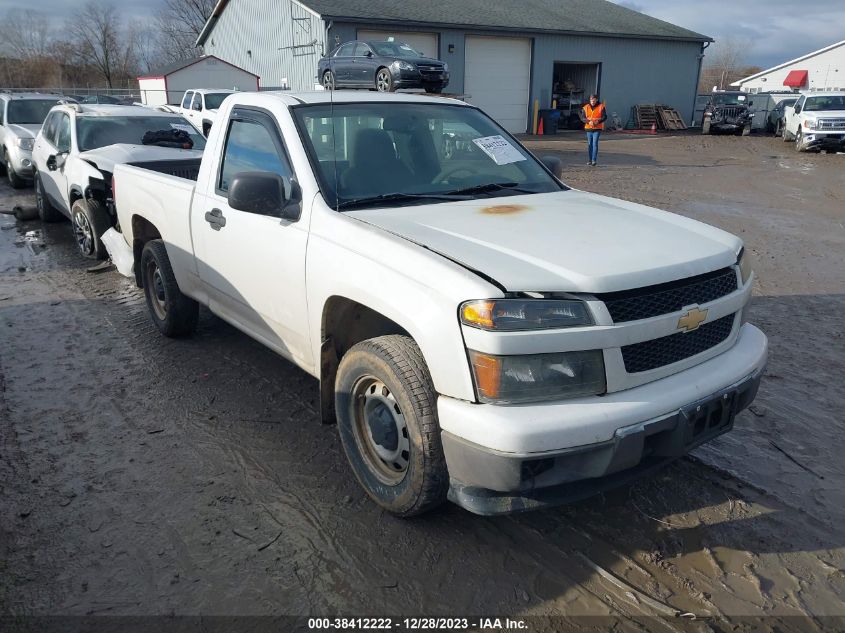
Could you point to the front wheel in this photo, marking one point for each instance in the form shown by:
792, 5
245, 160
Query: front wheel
433, 90
705, 126
387, 419
384, 81
778, 128
15, 181
173, 313
799, 141
328, 80
90, 220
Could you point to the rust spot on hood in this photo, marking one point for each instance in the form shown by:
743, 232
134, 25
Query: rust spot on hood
504, 209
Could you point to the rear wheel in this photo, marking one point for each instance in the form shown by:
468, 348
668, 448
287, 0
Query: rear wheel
384, 81
46, 211
173, 313
387, 419
90, 220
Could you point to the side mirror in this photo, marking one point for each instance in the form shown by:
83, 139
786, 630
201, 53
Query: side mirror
750, 103
266, 193
554, 165
369, 53
51, 162
797, 109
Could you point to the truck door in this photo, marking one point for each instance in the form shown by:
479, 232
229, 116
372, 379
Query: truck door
792, 118
253, 265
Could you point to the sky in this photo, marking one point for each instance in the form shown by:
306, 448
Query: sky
772, 29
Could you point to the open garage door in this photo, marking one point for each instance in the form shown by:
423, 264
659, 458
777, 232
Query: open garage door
497, 78
425, 43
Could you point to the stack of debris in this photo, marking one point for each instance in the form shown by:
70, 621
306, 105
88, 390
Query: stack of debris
656, 117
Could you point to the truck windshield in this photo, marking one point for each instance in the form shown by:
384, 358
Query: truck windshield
29, 111
821, 104
98, 131
214, 99
367, 154
730, 99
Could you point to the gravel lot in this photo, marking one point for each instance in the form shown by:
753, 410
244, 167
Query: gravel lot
142, 475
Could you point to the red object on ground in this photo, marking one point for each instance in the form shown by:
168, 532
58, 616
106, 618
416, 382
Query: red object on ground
796, 78
540, 128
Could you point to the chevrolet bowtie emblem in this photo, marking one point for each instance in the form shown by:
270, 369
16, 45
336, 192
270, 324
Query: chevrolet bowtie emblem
692, 320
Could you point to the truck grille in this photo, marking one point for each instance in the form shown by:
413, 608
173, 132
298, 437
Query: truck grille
728, 113
831, 124
675, 347
644, 303
430, 70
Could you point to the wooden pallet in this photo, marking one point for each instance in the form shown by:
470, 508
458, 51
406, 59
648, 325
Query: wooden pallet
670, 119
646, 116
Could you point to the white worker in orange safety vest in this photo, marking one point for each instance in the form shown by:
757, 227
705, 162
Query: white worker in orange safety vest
593, 114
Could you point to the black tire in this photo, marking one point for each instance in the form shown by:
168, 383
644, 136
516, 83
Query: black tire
46, 211
433, 90
206, 128
2, 161
779, 128
328, 80
705, 126
15, 181
746, 131
388, 376
799, 141
173, 313
384, 81
90, 220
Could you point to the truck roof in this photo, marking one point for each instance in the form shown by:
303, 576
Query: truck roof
86, 110
205, 91
356, 96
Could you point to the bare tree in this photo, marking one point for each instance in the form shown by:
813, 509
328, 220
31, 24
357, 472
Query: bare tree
179, 23
725, 63
25, 34
100, 41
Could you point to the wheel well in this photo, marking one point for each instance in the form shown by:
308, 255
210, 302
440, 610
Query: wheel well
345, 322
75, 194
142, 231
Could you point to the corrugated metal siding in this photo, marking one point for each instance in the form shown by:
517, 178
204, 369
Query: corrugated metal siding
275, 39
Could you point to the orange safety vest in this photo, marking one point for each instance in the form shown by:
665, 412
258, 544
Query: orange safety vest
594, 113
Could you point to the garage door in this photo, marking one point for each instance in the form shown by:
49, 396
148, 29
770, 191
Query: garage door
425, 43
497, 76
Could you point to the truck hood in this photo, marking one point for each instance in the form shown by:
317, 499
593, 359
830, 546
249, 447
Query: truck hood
824, 114
25, 130
105, 158
567, 241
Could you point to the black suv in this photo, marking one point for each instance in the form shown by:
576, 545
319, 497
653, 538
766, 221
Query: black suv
382, 66
728, 112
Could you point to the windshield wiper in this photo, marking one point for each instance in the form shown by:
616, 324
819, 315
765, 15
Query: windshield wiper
489, 188
398, 197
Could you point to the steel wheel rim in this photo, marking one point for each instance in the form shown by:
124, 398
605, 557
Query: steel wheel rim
83, 233
383, 81
155, 291
798, 140
380, 430
328, 81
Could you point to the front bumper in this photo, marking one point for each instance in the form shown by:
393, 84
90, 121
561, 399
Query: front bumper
614, 438
824, 140
416, 79
21, 161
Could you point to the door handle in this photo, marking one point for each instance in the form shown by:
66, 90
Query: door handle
215, 219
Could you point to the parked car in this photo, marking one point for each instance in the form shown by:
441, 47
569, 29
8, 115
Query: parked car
775, 118
816, 122
21, 116
200, 107
480, 331
75, 154
383, 66
728, 111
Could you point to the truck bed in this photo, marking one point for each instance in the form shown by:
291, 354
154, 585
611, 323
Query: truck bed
186, 168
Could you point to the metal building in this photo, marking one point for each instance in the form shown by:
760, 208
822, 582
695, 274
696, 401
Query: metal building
168, 83
502, 54
823, 69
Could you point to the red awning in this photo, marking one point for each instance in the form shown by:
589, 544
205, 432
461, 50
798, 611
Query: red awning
796, 78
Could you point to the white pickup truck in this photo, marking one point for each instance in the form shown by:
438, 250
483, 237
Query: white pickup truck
816, 122
480, 331
200, 107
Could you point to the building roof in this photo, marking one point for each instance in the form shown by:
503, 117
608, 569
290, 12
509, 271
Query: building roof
169, 69
591, 17
789, 63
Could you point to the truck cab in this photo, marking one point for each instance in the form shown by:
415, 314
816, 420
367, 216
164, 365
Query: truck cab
200, 107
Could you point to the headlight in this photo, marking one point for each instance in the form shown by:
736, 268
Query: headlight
537, 377
26, 143
810, 124
403, 65
445, 67
524, 314
745, 265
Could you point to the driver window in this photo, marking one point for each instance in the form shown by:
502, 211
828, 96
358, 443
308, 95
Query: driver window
50, 128
250, 146
63, 137
197, 104
361, 50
